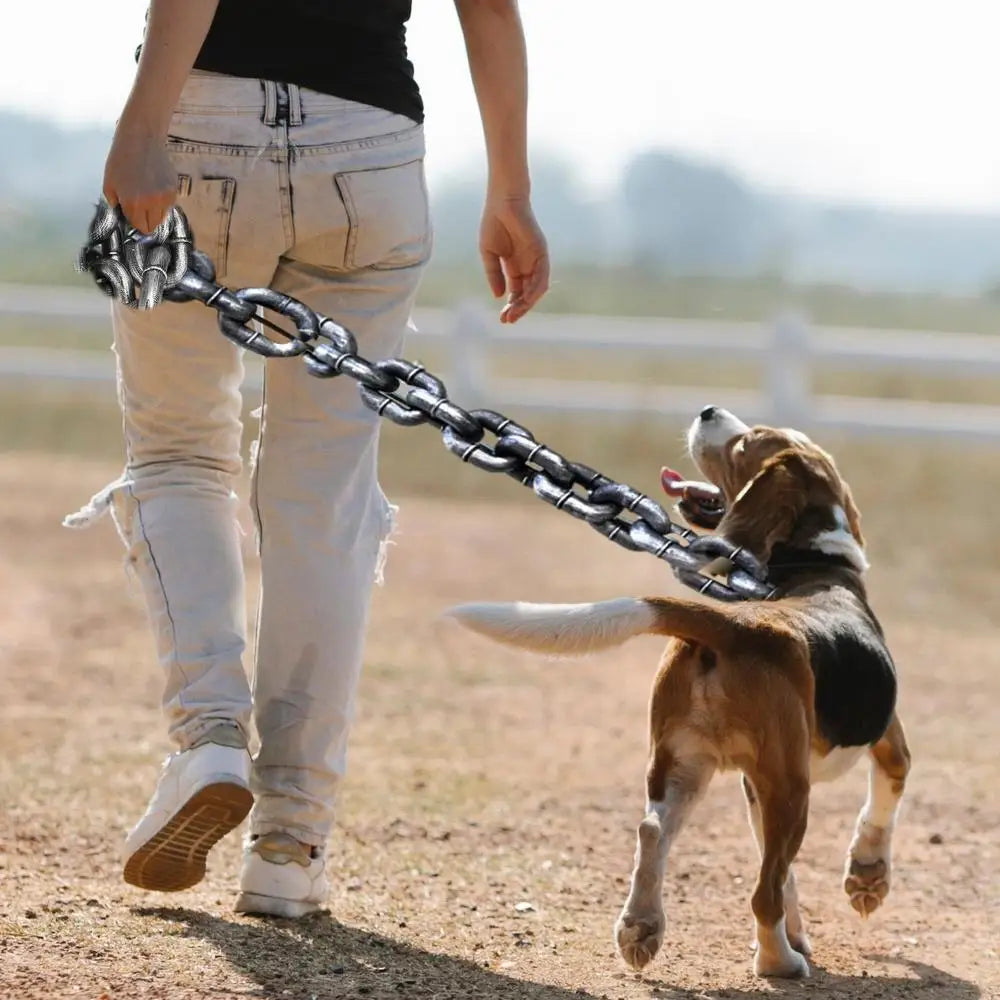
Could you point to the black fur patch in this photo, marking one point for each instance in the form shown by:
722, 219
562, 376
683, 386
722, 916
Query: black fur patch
855, 685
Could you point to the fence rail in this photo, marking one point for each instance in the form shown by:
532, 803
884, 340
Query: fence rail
786, 354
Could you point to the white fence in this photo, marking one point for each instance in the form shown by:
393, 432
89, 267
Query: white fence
786, 354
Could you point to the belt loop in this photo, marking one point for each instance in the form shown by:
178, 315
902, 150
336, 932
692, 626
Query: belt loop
270, 102
294, 105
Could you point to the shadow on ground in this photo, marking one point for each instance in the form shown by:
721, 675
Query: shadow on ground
318, 958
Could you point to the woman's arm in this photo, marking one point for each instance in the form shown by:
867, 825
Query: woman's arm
494, 41
138, 175
513, 248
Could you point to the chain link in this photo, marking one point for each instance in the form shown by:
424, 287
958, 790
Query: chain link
141, 271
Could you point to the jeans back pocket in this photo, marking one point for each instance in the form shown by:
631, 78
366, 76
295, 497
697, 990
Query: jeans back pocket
208, 204
388, 216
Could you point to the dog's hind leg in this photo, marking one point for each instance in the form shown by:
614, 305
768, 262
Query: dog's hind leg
673, 786
869, 860
797, 936
780, 781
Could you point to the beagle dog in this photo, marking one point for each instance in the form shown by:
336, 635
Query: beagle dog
788, 691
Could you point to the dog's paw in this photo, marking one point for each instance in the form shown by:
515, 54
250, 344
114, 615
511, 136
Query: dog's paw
866, 883
790, 965
638, 937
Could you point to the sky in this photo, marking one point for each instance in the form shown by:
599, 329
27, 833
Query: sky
881, 101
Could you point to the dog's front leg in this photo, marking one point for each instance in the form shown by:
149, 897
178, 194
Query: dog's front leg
869, 860
673, 786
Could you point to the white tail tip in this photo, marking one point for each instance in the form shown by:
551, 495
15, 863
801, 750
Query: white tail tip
565, 629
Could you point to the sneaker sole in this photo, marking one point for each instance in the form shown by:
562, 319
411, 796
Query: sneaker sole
255, 905
174, 859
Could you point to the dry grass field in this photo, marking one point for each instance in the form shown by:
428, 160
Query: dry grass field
482, 779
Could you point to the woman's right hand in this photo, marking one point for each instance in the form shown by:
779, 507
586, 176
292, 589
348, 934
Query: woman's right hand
139, 176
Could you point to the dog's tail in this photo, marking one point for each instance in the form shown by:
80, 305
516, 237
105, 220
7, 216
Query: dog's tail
567, 629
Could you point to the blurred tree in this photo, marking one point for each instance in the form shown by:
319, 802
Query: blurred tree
685, 217
49, 164
668, 215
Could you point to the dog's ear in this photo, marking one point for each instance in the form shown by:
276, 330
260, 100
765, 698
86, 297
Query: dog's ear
853, 514
766, 510
825, 466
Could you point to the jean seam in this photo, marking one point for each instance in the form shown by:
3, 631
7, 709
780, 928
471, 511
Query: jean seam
130, 486
156, 569
259, 523
286, 201
192, 147
195, 147
159, 579
349, 145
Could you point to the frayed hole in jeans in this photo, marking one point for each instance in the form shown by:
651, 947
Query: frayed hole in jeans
389, 512
97, 506
114, 499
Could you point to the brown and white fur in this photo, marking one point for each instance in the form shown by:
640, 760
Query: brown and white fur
789, 692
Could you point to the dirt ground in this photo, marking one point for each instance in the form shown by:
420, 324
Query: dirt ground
487, 825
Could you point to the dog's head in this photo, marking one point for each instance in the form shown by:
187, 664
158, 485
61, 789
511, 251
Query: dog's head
779, 488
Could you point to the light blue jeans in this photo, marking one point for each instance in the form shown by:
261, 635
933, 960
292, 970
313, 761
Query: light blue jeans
323, 199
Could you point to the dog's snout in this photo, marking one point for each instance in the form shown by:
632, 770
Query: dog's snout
712, 428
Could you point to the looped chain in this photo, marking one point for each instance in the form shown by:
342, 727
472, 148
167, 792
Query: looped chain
142, 270
135, 268
234, 326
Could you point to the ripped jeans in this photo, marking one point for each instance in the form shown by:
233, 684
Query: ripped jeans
323, 199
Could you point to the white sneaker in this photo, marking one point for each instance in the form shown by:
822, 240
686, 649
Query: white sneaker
202, 794
282, 877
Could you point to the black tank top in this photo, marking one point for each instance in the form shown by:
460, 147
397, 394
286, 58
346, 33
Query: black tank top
355, 49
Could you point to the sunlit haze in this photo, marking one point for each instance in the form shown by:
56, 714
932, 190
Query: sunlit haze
882, 102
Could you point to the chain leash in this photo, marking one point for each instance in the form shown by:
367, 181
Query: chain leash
143, 270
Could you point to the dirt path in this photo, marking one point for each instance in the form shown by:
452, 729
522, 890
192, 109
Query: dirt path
480, 780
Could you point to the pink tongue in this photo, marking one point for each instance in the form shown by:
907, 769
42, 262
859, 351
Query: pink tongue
672, 482
675, 485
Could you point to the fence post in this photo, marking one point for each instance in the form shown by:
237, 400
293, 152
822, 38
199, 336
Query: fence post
789, 376
469, 338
